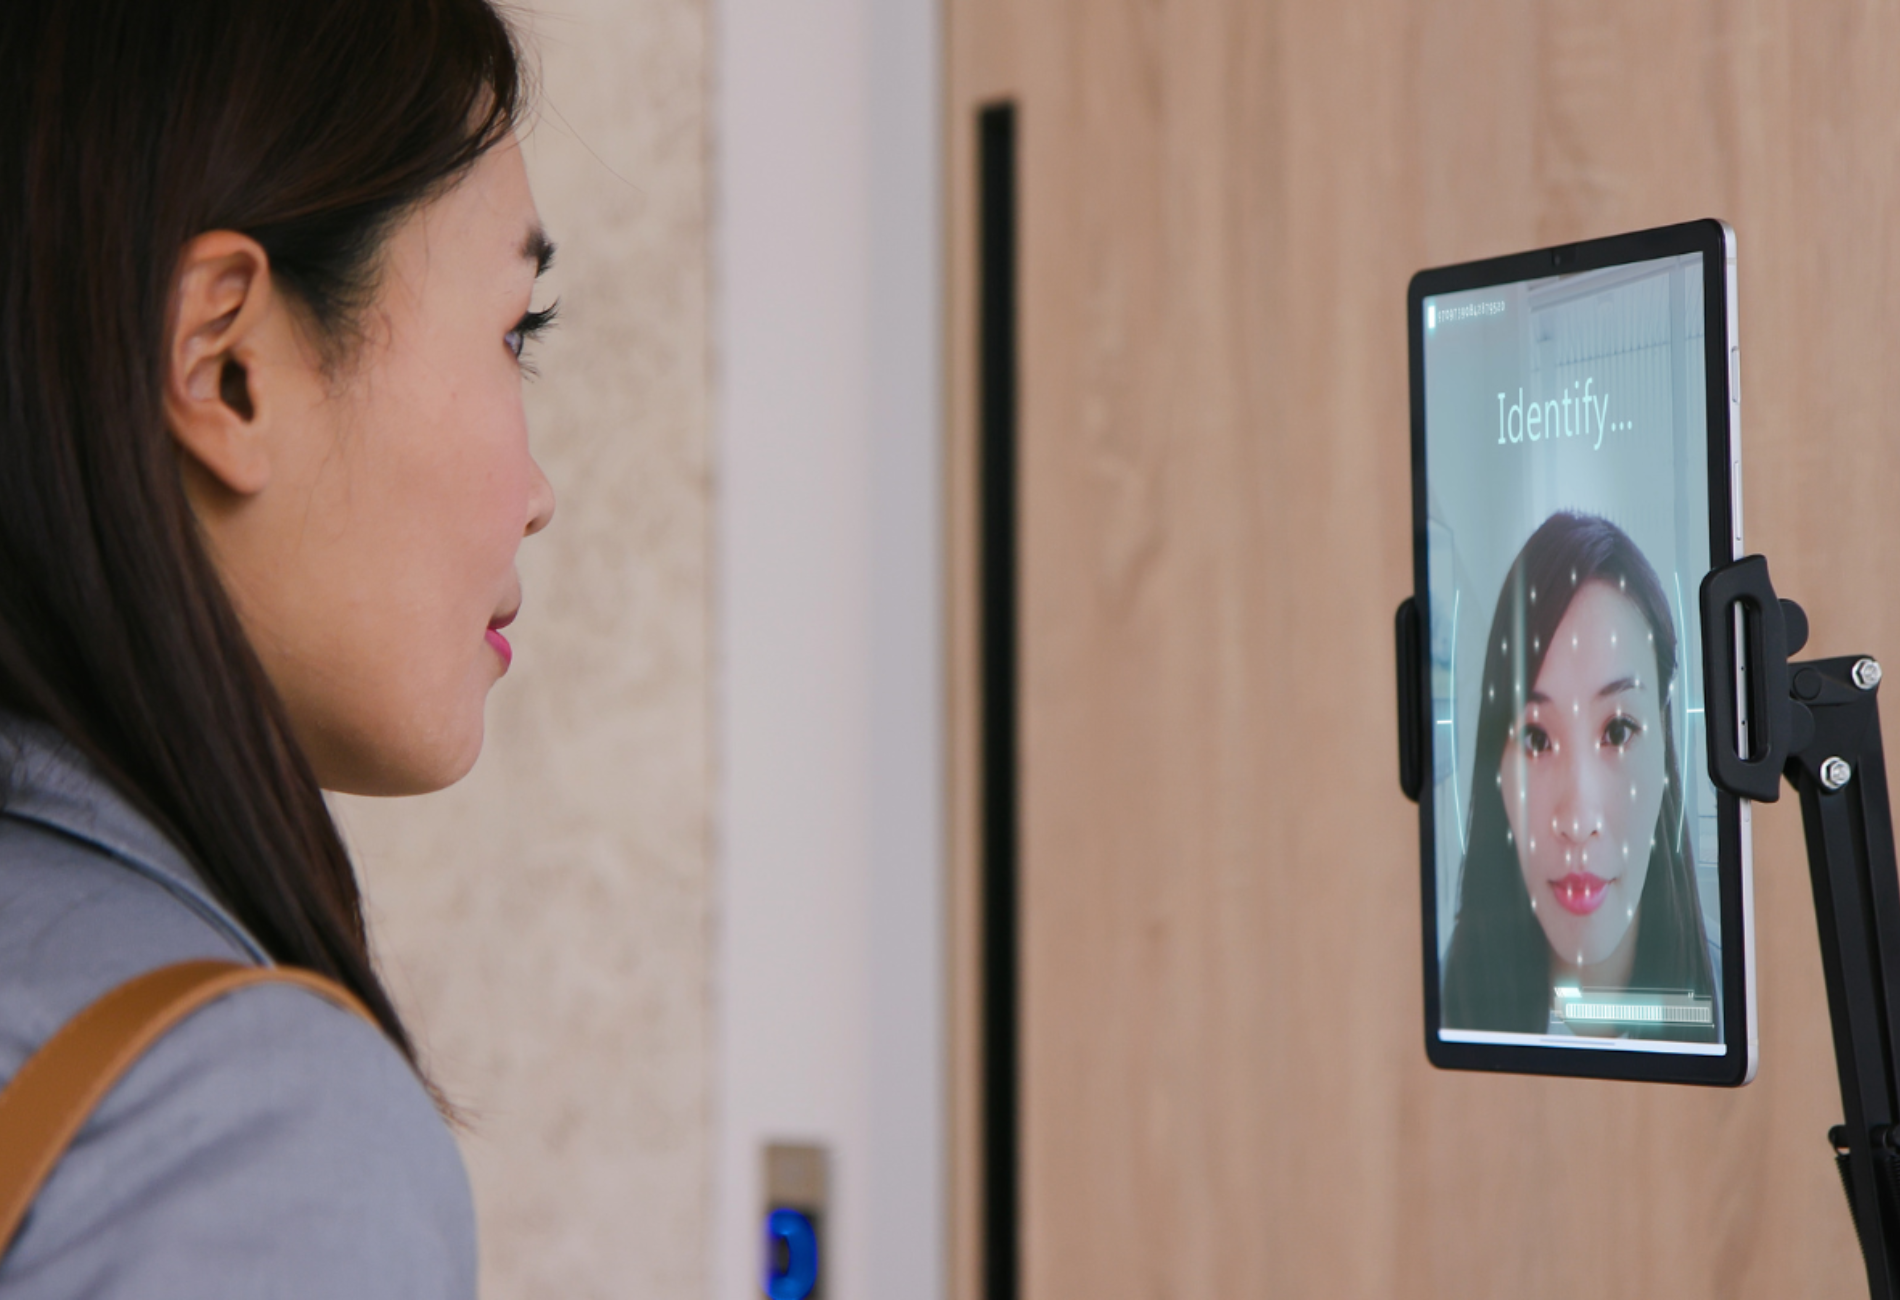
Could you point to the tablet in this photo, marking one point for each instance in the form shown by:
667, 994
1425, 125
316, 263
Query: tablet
1575, 467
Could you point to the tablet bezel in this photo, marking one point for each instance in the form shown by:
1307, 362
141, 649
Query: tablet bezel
1715, 241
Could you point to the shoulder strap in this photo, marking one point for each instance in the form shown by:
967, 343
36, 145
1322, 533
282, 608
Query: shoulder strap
49, 1100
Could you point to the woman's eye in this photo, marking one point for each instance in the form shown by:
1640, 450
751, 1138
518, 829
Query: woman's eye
1621, 730
530, 327
1535, 739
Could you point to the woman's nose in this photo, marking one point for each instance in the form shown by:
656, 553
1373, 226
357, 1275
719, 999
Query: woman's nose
540, 499
1578, 813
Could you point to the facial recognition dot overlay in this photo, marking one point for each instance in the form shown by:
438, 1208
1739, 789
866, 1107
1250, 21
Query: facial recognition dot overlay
1567, 536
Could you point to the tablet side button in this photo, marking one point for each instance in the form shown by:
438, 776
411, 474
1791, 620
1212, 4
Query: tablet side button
1735, 374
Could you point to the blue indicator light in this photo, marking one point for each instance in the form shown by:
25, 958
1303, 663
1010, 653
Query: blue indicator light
791, 1255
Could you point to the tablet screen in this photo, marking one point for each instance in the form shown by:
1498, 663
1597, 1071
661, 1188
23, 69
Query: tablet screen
1567, 532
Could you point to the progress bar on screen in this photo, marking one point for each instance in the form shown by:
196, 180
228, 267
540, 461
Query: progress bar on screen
1575, 1006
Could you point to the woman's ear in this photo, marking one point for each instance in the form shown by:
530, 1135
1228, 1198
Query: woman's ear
217, 353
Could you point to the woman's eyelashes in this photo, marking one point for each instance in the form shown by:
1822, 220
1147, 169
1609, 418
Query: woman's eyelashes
531, 326
1534, 739
1620, 730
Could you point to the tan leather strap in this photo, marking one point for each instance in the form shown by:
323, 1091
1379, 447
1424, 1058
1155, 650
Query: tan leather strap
48, 1101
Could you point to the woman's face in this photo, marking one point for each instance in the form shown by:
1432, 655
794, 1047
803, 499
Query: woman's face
370, 552
1582, 776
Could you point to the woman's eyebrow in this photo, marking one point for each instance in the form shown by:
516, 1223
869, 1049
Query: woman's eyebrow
1616, 687
539, 249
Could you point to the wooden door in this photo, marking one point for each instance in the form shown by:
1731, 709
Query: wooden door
1223, 1089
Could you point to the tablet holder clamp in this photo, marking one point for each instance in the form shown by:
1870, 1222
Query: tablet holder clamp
1817, 722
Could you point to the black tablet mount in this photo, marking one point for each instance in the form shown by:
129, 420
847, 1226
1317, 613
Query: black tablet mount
1816, 722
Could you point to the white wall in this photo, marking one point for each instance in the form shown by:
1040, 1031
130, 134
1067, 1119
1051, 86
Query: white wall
829, 988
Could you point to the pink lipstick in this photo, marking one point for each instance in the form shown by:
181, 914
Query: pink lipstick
500, 642
1580, 893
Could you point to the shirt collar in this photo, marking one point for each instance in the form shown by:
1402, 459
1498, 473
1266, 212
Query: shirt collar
50, 783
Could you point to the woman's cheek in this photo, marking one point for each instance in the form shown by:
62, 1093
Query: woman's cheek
1651, 781
495, 505
1529, 797
1518, 816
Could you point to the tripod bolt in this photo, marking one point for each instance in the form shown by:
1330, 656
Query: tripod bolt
1835, 773
1867, 673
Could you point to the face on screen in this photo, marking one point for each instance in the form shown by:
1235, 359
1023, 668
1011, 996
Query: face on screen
1582, 778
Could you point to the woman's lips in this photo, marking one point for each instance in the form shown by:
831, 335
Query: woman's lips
502, 648
1580, 893
500, 642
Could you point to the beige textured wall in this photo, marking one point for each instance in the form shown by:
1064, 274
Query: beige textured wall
546, 923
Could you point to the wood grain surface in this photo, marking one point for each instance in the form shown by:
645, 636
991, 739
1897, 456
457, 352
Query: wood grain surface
1225, 1090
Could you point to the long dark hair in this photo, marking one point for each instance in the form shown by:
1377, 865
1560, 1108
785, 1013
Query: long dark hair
127, 128
1497, 972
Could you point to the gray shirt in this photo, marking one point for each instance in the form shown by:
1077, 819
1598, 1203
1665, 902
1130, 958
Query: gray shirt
270, 1146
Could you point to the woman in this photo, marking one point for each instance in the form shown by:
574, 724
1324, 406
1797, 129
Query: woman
263, 475
1578, 870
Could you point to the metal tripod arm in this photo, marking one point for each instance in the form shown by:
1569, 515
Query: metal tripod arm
1818, 724
1840, 774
